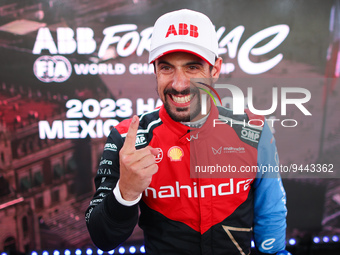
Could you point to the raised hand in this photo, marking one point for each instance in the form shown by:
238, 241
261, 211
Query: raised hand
136, 166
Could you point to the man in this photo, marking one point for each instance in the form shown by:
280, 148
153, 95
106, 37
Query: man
185, 211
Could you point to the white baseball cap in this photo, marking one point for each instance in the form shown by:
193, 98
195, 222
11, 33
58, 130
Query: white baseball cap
184, 30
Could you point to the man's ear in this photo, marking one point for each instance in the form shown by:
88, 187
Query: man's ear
216, 69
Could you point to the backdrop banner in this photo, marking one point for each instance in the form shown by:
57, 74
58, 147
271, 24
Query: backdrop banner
71, 70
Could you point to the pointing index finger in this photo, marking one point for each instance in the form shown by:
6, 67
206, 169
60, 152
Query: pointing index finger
130, 139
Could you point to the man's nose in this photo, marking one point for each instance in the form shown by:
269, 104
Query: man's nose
180, 81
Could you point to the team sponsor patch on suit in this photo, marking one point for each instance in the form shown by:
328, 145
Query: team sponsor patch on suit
159, 156
216, 151
140, 140
110, 147
250, 134
175, 153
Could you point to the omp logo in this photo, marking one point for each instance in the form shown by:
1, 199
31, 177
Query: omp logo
159, 156
183, 30
140, 140
217, 151
267, 244
250, 134
52, 69
110, 147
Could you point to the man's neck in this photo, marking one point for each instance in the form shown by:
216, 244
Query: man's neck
196, 124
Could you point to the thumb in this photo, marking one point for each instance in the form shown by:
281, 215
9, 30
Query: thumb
154, 151
130, 140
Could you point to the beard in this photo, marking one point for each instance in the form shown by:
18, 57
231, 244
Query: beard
179, 113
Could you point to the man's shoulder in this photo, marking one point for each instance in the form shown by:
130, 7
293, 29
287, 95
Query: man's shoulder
148, 118
248, 126
145, 120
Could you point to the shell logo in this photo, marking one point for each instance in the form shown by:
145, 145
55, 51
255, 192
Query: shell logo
175, 153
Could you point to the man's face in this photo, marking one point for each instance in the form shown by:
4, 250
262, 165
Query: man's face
182, 98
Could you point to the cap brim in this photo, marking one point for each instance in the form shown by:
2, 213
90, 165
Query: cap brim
204, 54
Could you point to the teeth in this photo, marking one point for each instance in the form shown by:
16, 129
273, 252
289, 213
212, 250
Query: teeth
182, 100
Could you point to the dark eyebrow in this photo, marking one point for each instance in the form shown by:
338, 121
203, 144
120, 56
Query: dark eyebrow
163, 62
194, 63
186, 64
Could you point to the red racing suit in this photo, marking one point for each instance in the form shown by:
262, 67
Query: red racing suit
199, 201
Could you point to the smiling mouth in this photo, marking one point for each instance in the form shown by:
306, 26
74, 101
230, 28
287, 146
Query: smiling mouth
182, 99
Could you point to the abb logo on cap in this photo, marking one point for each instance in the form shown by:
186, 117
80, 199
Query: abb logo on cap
183, 30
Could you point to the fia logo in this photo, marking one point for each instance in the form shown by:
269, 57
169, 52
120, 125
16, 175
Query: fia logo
52, 69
